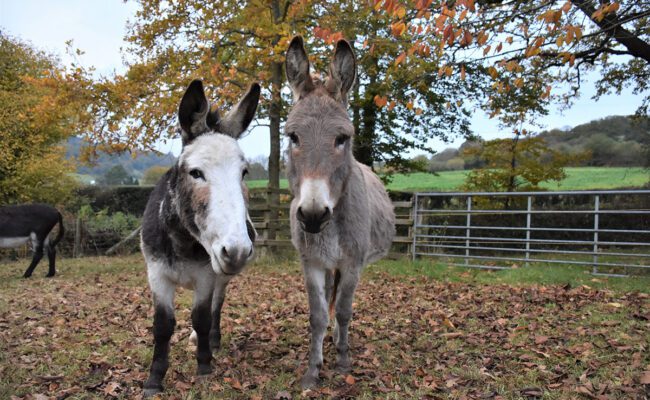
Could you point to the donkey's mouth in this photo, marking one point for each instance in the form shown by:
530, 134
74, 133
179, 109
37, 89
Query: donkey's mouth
313, 227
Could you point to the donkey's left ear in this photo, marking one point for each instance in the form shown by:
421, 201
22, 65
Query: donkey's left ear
241, 115
343, 68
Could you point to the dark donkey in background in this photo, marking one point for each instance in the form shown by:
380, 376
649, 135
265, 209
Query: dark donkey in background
31, 222
341, 216
196, 231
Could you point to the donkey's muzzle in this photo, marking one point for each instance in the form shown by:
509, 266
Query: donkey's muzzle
314, 220
235, 258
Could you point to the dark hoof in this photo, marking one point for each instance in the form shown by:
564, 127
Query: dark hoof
27, 276
309, 382
343, 368
204, 369
150, 392
49, 275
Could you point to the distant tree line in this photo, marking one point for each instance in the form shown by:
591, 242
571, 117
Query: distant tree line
609, 142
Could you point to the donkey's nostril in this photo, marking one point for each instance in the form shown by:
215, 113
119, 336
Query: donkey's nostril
300, 215
224, 252
326, 214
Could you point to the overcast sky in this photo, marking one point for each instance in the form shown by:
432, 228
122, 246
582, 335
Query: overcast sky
98, 26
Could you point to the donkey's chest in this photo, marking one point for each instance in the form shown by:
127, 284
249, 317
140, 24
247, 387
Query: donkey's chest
324, 250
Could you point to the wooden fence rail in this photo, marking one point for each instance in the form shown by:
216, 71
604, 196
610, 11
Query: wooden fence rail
260, 213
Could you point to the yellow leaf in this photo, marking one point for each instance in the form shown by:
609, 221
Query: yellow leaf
462, 72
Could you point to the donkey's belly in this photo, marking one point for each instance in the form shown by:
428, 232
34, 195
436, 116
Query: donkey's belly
11, 242
191, 274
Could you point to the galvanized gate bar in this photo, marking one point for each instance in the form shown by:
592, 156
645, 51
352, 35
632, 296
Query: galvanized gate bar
434, 236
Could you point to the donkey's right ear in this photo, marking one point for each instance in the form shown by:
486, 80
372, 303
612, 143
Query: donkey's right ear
297, 68
193, 112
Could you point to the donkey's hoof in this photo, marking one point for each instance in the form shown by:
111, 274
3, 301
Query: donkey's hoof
27, 276
49, 275
204, 369
152, 391
309, 382
343, 367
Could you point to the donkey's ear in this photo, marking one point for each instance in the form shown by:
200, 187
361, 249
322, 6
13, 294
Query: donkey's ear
193, 112
297, 68
343, 68
241, 115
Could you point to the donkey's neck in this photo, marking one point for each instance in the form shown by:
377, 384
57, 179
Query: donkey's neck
183, 244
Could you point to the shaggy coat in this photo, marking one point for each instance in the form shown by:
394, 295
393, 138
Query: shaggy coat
196, 231
31, 223
341, 216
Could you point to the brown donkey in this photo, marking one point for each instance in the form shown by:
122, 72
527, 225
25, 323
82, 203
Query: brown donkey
341, 216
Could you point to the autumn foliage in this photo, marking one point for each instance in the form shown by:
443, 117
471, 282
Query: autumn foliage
41, 104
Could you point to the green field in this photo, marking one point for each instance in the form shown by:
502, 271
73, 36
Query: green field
582, 178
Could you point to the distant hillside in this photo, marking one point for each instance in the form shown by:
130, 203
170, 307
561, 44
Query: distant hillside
614, 141
135, 166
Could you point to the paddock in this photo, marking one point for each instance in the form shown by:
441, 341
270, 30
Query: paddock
421, 330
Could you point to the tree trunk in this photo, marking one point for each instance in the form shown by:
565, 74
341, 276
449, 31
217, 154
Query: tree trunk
273, 195
365, 140
274, 156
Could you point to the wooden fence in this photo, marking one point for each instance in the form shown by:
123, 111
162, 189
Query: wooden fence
274, 233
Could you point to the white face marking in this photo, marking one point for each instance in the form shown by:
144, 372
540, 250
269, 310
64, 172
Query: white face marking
315, 193
222, 162
11, 242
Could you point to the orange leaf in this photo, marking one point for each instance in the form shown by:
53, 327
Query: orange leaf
350, 380
400, 58
380, 101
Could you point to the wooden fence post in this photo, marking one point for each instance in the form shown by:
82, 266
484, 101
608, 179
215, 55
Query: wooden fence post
76, 250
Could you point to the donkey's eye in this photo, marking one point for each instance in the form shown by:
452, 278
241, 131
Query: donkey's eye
340, 140
294, 138
197, 174
244, 173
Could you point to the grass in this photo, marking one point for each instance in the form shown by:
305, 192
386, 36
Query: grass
581, 178
420, 330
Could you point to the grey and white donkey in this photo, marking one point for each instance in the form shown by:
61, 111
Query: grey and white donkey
196, 231
341, 216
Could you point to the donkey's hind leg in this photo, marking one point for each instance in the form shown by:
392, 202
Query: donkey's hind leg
201, 323
37, 246
51, 256
163, 328
344, 298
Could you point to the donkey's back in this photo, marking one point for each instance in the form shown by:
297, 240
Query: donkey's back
382, 216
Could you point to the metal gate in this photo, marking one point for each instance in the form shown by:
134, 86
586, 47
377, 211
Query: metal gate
606, 230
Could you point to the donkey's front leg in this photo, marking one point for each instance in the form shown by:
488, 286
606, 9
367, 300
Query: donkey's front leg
163, 328
218, 297
343, 307
318, 320
201, 323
